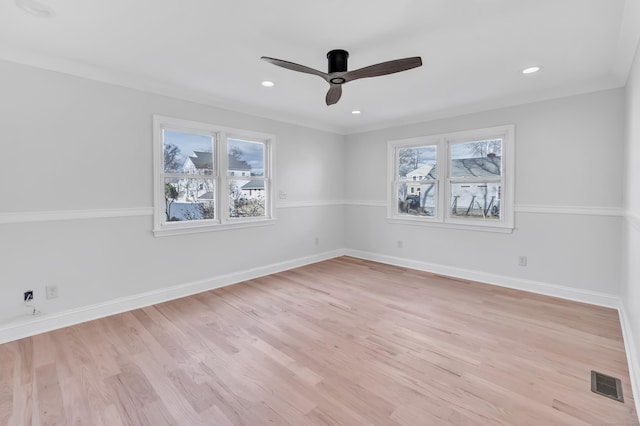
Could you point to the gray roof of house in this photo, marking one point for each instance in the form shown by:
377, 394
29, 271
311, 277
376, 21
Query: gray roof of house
254, 184
477, 167
206, 196
202, 160
235, 164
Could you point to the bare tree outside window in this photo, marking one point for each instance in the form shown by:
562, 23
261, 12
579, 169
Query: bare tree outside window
173, 160
410, 159
170, 196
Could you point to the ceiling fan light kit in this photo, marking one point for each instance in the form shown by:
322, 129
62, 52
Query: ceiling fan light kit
338, 75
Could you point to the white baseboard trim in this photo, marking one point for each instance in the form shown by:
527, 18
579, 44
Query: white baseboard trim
563, 292
30, 326
633, 361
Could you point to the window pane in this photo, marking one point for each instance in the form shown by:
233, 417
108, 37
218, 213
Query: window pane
189, 199
476, 200
187, 153
247, 198
416, 163
417, 198
245, 158
476, 159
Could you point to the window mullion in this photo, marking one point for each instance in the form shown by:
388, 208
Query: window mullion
223, 165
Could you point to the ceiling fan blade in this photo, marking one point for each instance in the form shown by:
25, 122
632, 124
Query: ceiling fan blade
295, 67
334, 94
384, 68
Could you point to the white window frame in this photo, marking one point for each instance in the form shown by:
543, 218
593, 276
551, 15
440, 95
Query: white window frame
220, 135
443, 143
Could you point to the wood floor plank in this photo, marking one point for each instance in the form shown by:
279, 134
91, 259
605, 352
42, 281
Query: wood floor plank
7, 387
76, 402
340, 342
50, 406
175, 402
23, 401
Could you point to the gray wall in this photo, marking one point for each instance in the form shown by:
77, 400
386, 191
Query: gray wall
568, 199
72, 146
630, 287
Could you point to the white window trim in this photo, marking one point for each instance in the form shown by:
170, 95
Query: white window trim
443, 218
220, 176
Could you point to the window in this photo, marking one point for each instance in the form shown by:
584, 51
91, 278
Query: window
462, 179
197, 177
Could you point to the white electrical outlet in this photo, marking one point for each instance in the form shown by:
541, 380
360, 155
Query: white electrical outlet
522, 260
317, 240
400, 243
51, 291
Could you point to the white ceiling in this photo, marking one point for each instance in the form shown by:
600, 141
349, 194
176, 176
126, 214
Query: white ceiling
209, 51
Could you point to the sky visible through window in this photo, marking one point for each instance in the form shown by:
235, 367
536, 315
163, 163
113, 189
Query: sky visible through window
252, 152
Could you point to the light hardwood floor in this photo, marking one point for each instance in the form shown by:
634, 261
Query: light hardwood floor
344, 341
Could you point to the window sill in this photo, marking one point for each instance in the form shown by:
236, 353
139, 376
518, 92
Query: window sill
497, 228
196, 228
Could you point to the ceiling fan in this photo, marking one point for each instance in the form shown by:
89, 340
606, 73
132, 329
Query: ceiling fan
338, 74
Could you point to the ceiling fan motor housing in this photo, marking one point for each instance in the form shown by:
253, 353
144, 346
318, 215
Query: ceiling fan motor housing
337, 60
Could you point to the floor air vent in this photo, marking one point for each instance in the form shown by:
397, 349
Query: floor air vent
606, 385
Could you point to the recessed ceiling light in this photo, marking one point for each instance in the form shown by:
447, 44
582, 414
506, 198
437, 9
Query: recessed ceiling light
531, 70
267, 83
35, 8
355, 112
